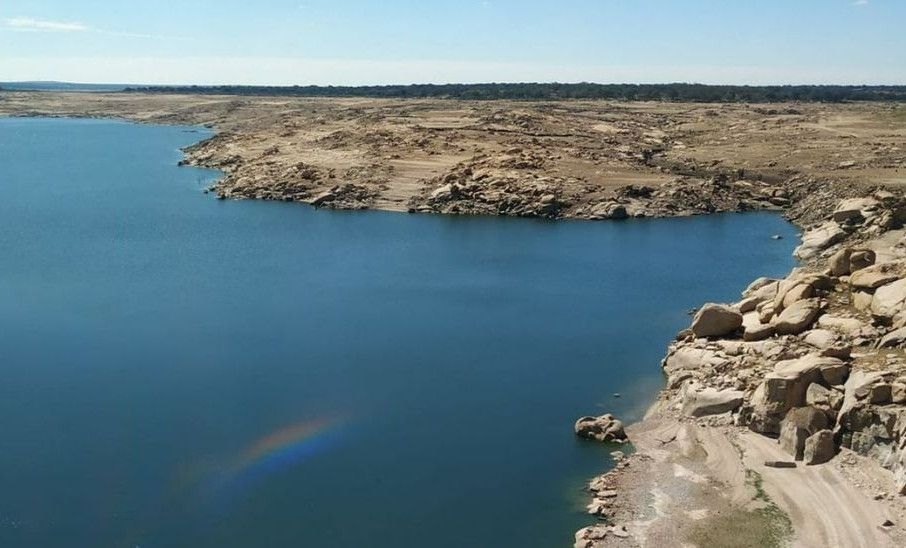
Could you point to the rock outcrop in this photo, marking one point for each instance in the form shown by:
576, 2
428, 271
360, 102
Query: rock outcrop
709, 401
715, 320
819, 447
605, 428
818, 239
798, 426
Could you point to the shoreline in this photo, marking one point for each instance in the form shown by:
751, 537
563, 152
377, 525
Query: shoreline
691, 476
572, 159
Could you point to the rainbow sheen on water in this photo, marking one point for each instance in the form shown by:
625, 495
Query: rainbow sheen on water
278, 451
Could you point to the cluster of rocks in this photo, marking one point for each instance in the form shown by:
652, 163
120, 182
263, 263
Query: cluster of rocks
605, 428
594, 536
345, 196
510, 185
494, 186
815, 359
271, 182
864, 218
512, 120
687, 196
262, 178
266, 178
604, 492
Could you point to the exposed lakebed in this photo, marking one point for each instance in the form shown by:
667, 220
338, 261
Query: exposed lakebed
182, 371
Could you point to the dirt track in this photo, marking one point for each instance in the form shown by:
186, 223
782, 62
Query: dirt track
708, 486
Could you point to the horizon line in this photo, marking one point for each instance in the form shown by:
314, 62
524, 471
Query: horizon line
452, 83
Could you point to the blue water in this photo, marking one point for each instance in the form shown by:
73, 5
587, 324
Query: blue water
428, 369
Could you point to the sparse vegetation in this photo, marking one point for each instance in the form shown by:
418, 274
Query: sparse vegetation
764, 526
695, 93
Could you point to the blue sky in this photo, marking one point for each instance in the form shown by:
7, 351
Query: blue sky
406, 41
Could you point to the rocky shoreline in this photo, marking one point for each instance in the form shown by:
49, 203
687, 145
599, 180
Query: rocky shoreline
809, 370
511, 184
547, 159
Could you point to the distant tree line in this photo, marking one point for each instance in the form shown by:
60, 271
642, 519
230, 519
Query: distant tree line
696, 93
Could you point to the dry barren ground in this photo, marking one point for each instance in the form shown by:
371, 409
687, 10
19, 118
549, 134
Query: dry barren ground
593, 159
692, 485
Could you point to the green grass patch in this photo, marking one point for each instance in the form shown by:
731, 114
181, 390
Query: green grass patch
766, 526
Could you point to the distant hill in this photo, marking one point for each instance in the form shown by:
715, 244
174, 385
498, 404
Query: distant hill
627, 92
59, 86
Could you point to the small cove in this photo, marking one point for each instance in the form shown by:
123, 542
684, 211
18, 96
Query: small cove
181, 371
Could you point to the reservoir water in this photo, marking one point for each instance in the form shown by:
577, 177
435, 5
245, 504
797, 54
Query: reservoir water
181, 371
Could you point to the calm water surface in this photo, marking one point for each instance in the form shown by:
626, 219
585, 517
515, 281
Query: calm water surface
181, 371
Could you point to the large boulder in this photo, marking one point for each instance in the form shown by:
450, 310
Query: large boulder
839, 263
819, 448
861, 300
825, 399
889, 299
818, 239
796, 287
798, 424
701, 402
765, 311
857, 388
765, 287
834, 373
855, 210
861, 258
690, 358
754, 330
591, 536
894, 339
898, 393
610, 210
848, 261
873, 277
748, 304
761, 292
820, 338
785, 388
798, 292
798, 317
716, 320
605, 428
840, 324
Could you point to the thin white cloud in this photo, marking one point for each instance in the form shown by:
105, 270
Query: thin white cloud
124, 34
28, 24
860, 3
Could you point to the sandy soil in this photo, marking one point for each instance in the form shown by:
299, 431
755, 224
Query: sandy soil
692, 484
